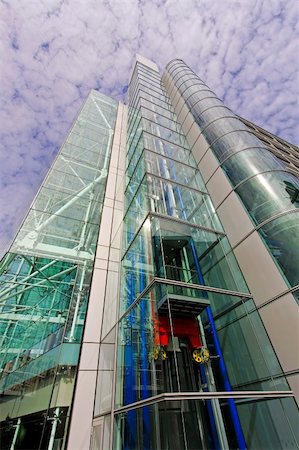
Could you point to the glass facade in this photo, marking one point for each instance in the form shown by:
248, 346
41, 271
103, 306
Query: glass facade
45, 282
188, 323
266, 184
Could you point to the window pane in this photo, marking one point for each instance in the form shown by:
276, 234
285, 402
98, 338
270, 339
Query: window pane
268, 194
282, 237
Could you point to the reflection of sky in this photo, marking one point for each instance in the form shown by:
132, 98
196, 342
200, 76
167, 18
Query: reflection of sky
266, 183
55, 52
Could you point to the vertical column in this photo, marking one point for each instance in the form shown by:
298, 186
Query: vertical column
104, 399
83, 407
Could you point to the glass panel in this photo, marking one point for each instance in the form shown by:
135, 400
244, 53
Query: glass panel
33, 430
157, 338
161, 101
181, 202
160, 119
212, 114
164, 133
223, 126
152, 92
186, 81
181, 70
204, 104
134, 115
142, 369
193, 255
145, 76
137, 208
158, 109
148, 72
270, 424
137, 261
35, 296
53, 202
177, 66
282, 237
268, 194
196, 97
72, 183
250, 162
91, 131
233, 142
57, 231
157, 164
134, 135
164, 147
248, 353
87, 140
186, 424
144, 100
196, 92
79, 153
154, 77
135, 157
167, 198
167, 425
150, 85
82, 171
176, 172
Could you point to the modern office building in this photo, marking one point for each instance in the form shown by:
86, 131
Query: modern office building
149, 299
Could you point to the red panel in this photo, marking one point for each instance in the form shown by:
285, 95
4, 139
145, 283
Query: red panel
181, 328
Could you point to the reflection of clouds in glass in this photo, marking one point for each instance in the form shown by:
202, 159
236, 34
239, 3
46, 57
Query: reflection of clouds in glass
55, 54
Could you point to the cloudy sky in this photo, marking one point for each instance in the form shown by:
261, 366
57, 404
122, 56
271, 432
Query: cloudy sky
54, 51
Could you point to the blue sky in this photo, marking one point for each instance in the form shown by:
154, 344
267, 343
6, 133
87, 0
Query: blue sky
55, 51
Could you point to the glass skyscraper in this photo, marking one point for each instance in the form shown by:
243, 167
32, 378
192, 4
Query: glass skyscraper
150, 297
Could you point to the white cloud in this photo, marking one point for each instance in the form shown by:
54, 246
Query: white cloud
56, 51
